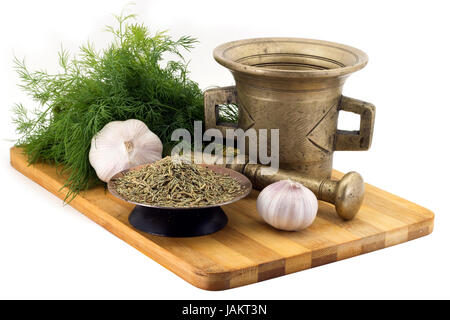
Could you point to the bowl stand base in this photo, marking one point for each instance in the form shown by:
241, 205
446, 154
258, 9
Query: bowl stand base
178, 223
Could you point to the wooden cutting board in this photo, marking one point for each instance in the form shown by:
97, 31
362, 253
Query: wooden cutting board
247, 250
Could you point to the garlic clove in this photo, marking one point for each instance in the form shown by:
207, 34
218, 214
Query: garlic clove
147, 141
120, 145
287, 205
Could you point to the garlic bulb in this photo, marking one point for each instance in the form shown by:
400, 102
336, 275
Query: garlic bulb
287, 205
121, 145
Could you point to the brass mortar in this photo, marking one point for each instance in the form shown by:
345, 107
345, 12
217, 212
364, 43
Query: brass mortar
294, 85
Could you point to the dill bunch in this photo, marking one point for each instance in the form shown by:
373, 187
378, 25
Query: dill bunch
124, 81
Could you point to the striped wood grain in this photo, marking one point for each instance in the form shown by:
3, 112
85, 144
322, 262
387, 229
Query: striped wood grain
247, 250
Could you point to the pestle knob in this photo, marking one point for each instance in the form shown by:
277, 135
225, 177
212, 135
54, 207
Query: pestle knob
346, 194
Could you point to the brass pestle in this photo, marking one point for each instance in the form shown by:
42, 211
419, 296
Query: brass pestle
346, 194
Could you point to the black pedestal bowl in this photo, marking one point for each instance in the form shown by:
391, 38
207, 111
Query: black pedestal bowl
189, 221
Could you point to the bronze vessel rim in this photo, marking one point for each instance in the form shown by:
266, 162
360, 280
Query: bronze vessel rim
361, 59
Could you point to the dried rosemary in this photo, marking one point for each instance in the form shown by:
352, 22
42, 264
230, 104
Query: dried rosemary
171, 182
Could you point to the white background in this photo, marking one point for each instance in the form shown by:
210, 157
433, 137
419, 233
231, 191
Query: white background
48, 250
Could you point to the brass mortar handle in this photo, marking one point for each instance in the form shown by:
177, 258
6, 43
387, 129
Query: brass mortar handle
213, 98
356, 140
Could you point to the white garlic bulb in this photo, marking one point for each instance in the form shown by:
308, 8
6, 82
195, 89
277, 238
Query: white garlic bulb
121, 145
287, 205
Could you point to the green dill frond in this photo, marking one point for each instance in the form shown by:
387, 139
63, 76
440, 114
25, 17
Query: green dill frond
124, 81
